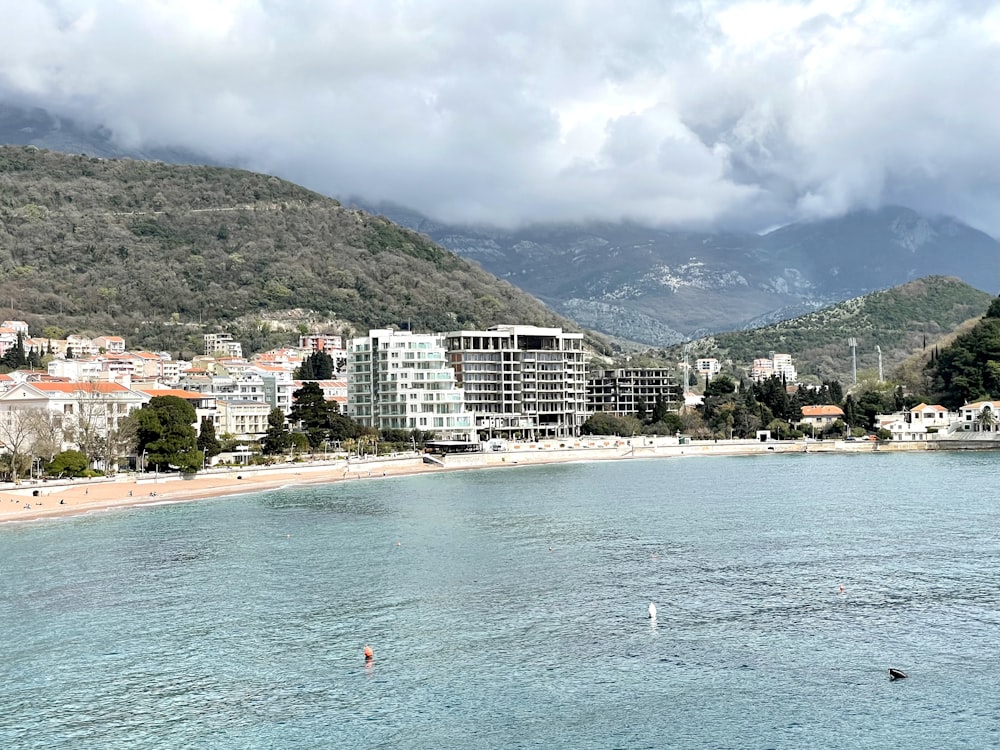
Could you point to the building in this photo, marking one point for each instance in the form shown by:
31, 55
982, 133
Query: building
709, 366
775, 365
83, 415
522, 381
321, 342
204, 404
110, 344
222, 344
820, 417
402, 380
625, 392
971, 416
244, 420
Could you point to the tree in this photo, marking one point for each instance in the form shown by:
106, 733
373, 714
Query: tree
601, 423
17, 433
317, 366
15, 356
69, 463
722, 385
660, 409
313, 413
277, 439
986, 420
207, 442
166, 434
970, 367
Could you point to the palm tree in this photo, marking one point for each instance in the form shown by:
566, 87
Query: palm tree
986, 419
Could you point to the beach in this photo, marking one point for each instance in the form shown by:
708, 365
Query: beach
36, 499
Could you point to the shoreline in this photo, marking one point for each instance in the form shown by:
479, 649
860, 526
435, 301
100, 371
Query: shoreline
40, 500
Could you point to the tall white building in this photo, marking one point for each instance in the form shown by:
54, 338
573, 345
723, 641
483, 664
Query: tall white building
522, 381
401, 380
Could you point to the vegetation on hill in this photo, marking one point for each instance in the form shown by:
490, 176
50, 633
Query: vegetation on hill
162, 253
901, 321
969, 369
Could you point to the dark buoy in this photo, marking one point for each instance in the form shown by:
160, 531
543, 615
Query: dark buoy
897, 674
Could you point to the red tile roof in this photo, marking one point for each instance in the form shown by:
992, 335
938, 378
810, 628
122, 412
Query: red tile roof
825, 410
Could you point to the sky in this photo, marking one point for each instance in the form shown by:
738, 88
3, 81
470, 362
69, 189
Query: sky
716, 114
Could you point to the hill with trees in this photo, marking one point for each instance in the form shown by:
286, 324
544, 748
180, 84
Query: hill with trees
901, 321
969, 369
161, 253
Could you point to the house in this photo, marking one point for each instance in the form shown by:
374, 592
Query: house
820, 417
17, 325
110, 344
981, 416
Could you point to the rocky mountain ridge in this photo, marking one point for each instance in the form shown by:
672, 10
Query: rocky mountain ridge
660, 286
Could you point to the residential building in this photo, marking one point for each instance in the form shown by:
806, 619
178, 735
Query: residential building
18, 326
709, 366
402, 380
222, 343
627, 391
81, 346
775, 365
820, 417
8, 339
86, 416
244, 420
276, 385
321, 342
971, 416
521, 381
110, 344
204, 404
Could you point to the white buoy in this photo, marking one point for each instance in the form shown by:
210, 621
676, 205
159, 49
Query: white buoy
652, 611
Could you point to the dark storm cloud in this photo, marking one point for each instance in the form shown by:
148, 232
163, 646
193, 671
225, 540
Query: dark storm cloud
715, 113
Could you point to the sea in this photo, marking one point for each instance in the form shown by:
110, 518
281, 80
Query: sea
508, 608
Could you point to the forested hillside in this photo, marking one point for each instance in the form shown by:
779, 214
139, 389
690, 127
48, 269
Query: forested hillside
969, 369
161, 252
900, 321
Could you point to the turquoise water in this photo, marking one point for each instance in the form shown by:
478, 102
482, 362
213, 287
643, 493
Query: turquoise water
507, 609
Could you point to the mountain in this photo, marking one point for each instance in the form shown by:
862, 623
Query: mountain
34, 126
900, 321
660, 286
162, 253
644, 284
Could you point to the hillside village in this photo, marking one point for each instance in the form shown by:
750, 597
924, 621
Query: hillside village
470, 389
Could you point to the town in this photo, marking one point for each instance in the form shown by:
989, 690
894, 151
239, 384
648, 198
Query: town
460, 390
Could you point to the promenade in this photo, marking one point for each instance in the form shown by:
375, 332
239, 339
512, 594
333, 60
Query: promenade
31, 500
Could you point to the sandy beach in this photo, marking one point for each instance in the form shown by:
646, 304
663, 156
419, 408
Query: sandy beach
35, 500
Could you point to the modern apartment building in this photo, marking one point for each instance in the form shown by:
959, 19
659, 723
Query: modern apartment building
402, 380
521, 381
775, 365
623, 391
222, 343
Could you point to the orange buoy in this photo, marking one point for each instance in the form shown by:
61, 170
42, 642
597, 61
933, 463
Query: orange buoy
369, 654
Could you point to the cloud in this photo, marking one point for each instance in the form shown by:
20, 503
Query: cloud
736, 114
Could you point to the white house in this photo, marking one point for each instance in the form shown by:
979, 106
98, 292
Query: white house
971, 416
